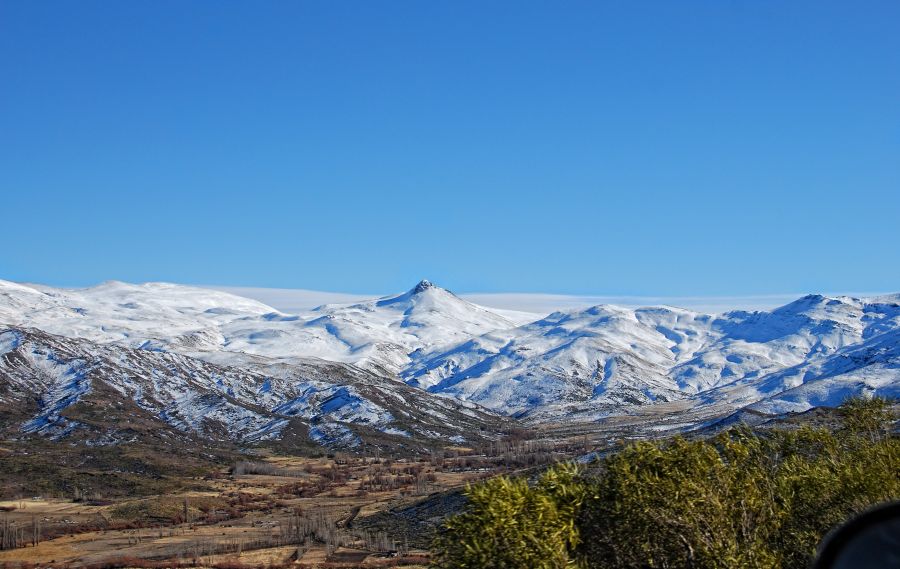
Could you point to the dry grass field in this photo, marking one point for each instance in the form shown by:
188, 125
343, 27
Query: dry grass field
271, 511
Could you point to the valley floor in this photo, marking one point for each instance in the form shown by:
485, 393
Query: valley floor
270, 510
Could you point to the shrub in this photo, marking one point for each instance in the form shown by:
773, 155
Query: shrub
738, 500
509, 524
682, 504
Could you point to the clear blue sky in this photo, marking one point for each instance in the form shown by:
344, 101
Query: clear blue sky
666, 148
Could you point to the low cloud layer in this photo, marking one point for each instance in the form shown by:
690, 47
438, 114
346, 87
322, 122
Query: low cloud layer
299, 300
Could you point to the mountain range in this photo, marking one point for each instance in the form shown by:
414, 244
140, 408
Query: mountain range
422, 368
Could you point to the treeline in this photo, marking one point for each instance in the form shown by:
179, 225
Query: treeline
742, 499
19, 535
264, 468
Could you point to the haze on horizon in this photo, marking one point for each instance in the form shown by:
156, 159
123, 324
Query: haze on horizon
521, 307
535, 304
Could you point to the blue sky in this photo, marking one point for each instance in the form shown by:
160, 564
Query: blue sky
618, 148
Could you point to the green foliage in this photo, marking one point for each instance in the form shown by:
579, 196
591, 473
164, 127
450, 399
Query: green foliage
683, 504
739, 500
825, 478
509, 524
870, 418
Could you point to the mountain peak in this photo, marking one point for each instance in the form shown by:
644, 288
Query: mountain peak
423, 285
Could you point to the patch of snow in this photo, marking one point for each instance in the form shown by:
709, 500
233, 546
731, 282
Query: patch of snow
396, 432
9, 341
333, 434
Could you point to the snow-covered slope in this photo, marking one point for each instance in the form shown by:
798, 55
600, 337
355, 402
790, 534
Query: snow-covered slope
750, 345
869, 367
384, 333
605, 359
582, 364
378, 334
48, 383
159, 314
605, 353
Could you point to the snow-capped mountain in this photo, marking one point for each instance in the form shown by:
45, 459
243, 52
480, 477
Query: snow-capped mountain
377, 334
389, 332
203, 361
607, 354
598, 361
58, 386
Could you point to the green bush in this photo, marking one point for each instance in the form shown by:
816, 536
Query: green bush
683, 504
509, 524
738, 500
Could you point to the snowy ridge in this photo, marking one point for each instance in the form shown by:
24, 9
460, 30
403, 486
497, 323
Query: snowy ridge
426, 355
213, 401
378, 334
603, 360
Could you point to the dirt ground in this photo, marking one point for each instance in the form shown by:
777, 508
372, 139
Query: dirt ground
283, 510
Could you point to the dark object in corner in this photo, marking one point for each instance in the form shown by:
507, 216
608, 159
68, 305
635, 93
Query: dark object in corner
871, 540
